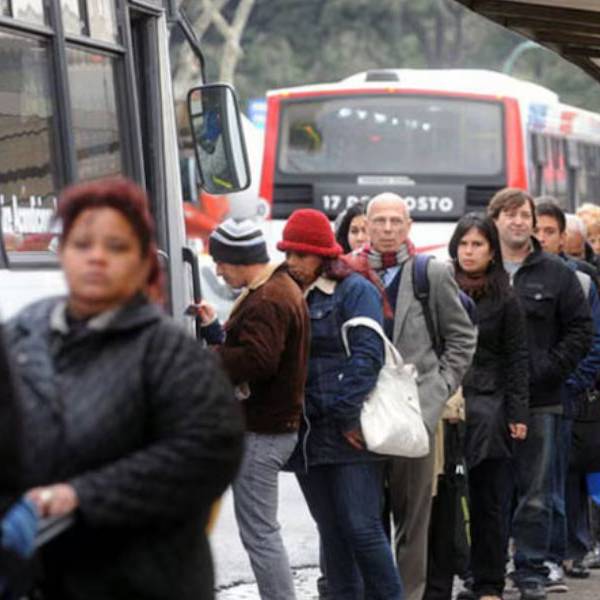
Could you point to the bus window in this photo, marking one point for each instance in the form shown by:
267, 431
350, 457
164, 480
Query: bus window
103, 25
391, 134
95, 113
27, 158
539, 158
555, 174
574, 172
74, 17
29, 10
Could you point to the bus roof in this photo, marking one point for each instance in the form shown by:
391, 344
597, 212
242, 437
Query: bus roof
457, 81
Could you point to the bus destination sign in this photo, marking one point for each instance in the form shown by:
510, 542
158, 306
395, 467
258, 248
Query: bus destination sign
424, 201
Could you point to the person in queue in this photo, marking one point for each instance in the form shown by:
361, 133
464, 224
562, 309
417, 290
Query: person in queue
128, 424
590, 214
410, 479
264, 349
576, 245
496, 391
351, 232
340, 480
559, 333
570, 524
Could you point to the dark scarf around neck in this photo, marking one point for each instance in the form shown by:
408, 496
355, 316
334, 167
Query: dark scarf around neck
474, 285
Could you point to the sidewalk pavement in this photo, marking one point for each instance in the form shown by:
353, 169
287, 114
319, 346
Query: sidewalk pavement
305, 579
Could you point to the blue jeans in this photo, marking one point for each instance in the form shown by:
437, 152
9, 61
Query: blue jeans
536, 460
255, 500
345, 501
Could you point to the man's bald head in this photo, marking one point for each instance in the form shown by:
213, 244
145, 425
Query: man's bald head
390, 200
388, 222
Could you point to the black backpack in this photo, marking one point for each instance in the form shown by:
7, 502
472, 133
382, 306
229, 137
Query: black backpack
421, 292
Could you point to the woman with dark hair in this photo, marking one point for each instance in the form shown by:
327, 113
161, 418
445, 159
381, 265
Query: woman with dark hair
129, 425
341, 481
496, 396
351, 232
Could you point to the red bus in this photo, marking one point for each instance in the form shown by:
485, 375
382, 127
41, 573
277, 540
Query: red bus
445, 140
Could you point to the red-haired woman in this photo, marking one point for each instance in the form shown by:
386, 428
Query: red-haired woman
128, 423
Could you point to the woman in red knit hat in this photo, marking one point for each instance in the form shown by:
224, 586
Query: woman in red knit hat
341, 480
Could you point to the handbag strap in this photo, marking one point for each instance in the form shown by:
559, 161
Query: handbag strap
392, 356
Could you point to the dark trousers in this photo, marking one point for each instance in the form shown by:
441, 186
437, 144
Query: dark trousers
440, 563
490, 492
345, 501
411, 482
595, 521
579, 540
448, 544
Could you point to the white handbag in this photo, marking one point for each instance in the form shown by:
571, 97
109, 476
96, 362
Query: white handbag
390, 419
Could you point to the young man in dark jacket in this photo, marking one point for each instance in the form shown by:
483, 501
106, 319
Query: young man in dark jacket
264, 350
570, 527
559, 333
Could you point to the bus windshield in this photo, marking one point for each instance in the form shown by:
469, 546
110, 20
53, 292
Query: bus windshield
391, 134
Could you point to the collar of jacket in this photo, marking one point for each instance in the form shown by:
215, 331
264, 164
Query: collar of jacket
135, 313
535, 255
323, 284
262, 278
59, 321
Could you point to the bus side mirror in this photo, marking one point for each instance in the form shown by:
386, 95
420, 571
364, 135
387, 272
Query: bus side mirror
218, 138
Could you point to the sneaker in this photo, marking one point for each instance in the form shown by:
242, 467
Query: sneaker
467, 593
555, 580
532, 590
576, 569
592, 560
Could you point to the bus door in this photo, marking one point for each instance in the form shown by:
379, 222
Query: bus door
85, 92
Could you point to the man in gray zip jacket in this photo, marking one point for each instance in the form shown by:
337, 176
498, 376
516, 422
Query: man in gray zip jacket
390, 255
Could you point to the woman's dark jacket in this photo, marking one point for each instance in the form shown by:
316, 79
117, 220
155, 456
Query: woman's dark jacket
496, 387
10, 433
338, 384
142, 422
10, 457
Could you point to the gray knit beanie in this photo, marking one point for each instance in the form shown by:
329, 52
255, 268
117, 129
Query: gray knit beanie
238, 243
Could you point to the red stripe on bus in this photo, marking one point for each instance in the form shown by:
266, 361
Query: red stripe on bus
270, 148
516, 163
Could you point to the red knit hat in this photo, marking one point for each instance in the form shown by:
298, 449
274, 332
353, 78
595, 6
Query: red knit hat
309, 231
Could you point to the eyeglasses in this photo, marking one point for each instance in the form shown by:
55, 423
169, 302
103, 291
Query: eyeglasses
394, 222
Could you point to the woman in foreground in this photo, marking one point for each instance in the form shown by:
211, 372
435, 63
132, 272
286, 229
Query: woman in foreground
129, 425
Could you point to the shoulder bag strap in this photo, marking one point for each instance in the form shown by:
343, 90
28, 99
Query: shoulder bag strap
392, 356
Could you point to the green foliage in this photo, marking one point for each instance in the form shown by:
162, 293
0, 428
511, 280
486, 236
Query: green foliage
294, 42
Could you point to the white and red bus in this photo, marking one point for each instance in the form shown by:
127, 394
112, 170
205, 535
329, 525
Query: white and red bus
445, 140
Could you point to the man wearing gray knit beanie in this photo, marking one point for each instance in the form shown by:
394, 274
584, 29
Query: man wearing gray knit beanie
264, 349
238, 243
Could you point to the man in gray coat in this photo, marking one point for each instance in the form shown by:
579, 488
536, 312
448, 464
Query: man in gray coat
391, 256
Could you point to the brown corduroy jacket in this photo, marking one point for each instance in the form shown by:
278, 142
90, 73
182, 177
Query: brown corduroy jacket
266, 351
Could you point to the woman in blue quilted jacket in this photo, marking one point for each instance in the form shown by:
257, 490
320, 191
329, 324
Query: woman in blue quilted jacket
341, 481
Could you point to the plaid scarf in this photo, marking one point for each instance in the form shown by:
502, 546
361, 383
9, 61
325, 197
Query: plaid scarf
380, 261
